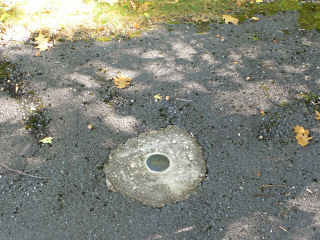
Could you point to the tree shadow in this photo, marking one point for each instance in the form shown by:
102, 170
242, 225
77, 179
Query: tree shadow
257, 174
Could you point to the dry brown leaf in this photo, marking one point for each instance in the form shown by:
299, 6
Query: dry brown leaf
122, 81
145, 6
240, 2
133, 4
229, 19
318, 115
302, 135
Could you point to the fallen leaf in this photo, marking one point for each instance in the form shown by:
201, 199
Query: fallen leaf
229, 19
256, 18
145, 6
318, 115
259, 1
43, 42
47, 140
240, 2
122, 81
136, 25
157, 96
133, 4
262, 112
302, 135
90, 126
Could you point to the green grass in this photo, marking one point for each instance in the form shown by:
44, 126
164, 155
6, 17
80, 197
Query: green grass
101, 20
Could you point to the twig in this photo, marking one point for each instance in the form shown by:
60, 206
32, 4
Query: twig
22, 173
273, 185
182, 99
264, 195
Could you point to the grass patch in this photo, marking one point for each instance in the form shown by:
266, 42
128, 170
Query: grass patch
311, 100
106, 19
309, 12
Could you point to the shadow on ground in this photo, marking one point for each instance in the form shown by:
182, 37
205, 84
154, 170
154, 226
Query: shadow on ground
261, 184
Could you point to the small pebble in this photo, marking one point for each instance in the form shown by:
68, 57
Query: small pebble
90, 126
248, 78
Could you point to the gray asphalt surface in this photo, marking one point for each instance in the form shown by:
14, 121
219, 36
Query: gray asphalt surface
260, 184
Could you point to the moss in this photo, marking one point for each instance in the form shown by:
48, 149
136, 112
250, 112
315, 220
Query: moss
311, 100
104, 38
309, 17
37, 124
309, 13
6, 69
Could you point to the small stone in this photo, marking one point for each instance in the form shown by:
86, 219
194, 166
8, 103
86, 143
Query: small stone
168, 98
90, 126
248, 78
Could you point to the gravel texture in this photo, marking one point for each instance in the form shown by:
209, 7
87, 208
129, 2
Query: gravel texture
260, 183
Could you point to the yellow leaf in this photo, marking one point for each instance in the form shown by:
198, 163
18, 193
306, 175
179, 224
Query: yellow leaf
256, 18
43, 42
47, 140
229, 19
318, 115
136, 25
302, 135
262, 112
157, 96
259, 1
122, 81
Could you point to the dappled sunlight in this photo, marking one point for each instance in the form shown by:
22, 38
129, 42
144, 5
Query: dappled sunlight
55, 15
84, 80
308, 195
120, 123
226, 95
210, 60
154, 54
174, 234
66, 17
183, 50
192, 86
